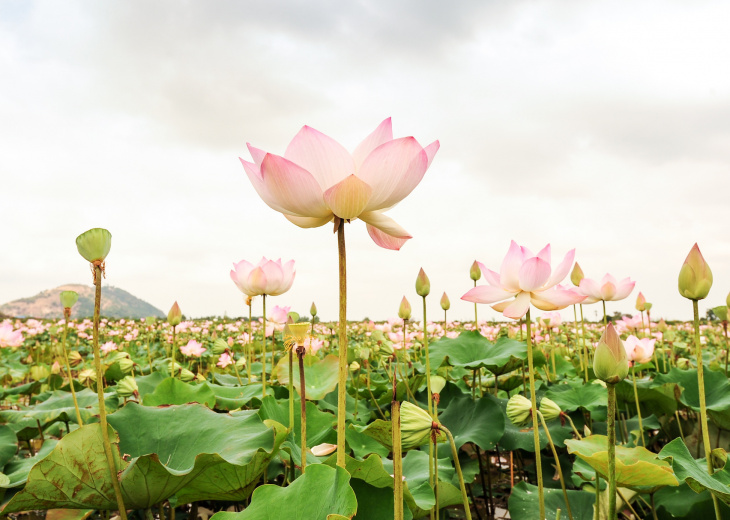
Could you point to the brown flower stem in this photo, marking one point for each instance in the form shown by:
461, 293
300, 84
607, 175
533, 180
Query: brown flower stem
342, 373
303, 400
70, 376
535, 424
100, 393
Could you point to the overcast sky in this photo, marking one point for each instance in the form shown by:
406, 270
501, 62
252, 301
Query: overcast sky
600, 126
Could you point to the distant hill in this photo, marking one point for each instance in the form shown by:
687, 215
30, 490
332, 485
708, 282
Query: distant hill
115, 303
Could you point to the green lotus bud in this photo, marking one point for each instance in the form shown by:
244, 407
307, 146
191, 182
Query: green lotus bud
474, 272
68, 299
549, 409
186, 375
445, 303
94, 244
354, 366
610, 362
415, 426
640, 302
662, 326
219, 346
721, 312
313, 310
437, 384
127, 387
576, 275
404, 312
174, 317
519, 410
423, 284
296, 332
727, 300
695, 277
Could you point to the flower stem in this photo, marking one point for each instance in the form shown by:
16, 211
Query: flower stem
455, 455
638, 407
263, 350
397, 458
611, 418
604, 313
703, 404
557, 464
476, 321
303, 399
172, 356
250, 343
535, 425
70, 376
100, 393
583, 340
342, 374
291, 389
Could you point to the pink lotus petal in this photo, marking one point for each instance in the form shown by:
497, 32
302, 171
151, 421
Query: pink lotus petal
323, 449
501, 306
257, 154
490, 276
431, 150
257, 280
254, 175
623, 289
562, 270
274, 277
308, 222
382, 134
590, 288
533, 274
608, 291
509, 273
385, 224
384, 240
393, 170
293, 187
486, 294
326, 159
556, 298
348, 198
544, 254
518, 307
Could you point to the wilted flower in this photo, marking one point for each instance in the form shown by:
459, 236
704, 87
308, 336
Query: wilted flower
320, 450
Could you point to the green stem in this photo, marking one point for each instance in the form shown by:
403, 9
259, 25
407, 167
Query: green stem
727, 347
303, 398
291, 389
251, 355
611, 418
476, 321
70, 377
638, 407
149, 354
342, 374
235, 369
455, 455
703, 404
557, 464
100, 393
172, 356
397, 459
583, 340
428, 361
263, 350
535, 425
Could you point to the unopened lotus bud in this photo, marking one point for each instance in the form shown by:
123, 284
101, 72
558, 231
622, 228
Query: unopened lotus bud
313, 310
219, 347
662, 326
404, 312
94, 244
127, 387
423, 284
445, 303
229, 341
174, 317
695, 277
727, 300
354, 366
640, 303
186, 375
474, 272
549, 409
55, 368
648, 306
437, 384
720, 312
519, 410
68, 299
610, 362
576, 275
415, 425
74, 358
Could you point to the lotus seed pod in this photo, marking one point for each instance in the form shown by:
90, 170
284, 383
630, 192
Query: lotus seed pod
200, 378
313, 310
640, 302
297, 332
174, 317
219, 347
404, 311
648, 306
186, 375
721, 312
683, 363
576, 275
423, 284
354, 366
68, 299
474, 272
549, 409
86, 376
127, 387
126, 365
94, 244
415, 425
445, 303
74, 358
695, 276
386, 348
241, 363
437, 384
610, 362
519, 410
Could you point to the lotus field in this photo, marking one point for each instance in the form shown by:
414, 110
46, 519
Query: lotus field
280, 415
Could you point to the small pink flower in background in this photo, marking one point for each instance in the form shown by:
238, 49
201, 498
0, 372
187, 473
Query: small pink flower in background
109, 346
10, 337
267, 277
320, 450
608, 289
312, 345
193, 348
639, 350
278, 315
129, 337
528, 278
224, 360
551, 320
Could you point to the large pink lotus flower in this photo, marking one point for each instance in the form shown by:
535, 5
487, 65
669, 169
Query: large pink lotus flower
10, 337
318, 180
529, 279
639, 350
267, 277
193, 348
608, 289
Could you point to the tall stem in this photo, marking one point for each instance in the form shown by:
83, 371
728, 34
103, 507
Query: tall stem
172, 356
397, 458
263, 350
535, 425
342, 374
583, 340
611, 418
727, 347
428, 361
100, 394
557, 464
250, 343
604, 313
638, 407
291, 388
703, 405
70, 377
476, 321
303, 399
455, 455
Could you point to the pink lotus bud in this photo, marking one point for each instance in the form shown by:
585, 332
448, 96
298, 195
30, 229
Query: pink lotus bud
423, 284
445, 303
475, 273
695, 277
640, 303
610, 362
174, 317
404, 312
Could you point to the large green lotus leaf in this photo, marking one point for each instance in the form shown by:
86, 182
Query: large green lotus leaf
364, 406
415, 469
60, 407
68, 514
636, 468
8, 444
319, 424
524, 502
321, 491
481, 421
363, 445
654, 398
18, 468
571, 397
234, 397
682, 502
717, 388
147, 384
28, 388
320, 376
694, 472
173, 391
519, 438
471, 350
374, 503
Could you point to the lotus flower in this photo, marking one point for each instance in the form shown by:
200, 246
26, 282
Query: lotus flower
10, 337
608, 289
267, 277
224, 360
639, 350
193, 348
318, 180
529, 279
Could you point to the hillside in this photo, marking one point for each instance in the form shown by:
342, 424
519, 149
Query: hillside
115, 303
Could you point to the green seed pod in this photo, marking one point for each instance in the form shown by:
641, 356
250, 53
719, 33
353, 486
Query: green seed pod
695, 276
297, 332
241, 363
68, 299
219, 346
437, 384
423, 284
610, 362
354, 366
415, 426
186, 375
94, 244
127, 387
720, 312
126, 365
174, 317
648, 306
549, 409
518, 410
